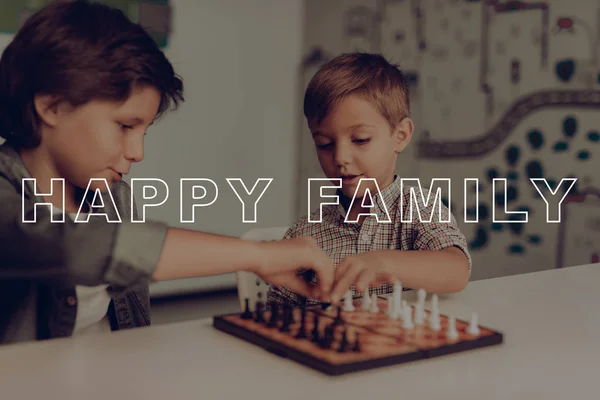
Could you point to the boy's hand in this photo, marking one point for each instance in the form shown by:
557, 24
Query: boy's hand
360, 270
284, 258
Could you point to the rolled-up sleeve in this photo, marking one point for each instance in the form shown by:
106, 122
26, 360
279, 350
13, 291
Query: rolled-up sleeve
136, 252
438, 230
92, 253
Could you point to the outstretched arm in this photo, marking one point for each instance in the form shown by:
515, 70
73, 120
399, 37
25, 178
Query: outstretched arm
190, 253
438, 271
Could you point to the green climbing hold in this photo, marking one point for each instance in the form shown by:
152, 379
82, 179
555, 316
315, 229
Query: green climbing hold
561, 146
593, 136
583, 155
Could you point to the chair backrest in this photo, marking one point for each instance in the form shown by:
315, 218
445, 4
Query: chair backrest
250, 286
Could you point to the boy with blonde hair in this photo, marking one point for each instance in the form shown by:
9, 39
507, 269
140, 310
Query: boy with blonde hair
357, 108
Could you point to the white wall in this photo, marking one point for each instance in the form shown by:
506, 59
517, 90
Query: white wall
239, 61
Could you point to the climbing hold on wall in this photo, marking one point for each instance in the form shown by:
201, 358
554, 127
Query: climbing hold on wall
497, 226
564, 23
536, 139
534, 239
569, 126
481, 239
565, 70
492, 173
534, 170
561, 146
516, 249
511, 193
583, 155
512, 155
484, 212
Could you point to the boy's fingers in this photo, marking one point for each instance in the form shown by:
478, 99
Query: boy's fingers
386, 278
325, 273
341, 269
344, 281
300, 286
365, 278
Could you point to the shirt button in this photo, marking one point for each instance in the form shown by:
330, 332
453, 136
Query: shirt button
366, 237
71, 300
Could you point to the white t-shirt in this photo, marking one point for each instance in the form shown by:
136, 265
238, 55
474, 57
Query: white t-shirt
92, 304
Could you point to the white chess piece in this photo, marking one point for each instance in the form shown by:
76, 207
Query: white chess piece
366, 300
407, 322
421, 295
391, 313
435, 310
419, 314
420, 307
434, 321
473, 326
397, 300
348, 305
374, 309
452, 333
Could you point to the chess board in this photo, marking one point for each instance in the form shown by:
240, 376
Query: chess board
382, 341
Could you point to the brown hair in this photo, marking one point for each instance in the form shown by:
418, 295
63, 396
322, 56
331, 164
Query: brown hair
78, 51
369, 75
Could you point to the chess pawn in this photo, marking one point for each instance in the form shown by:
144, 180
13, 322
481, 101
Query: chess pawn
397, 298
421, 295
434, 302
348, 305
434, 321
391, 313
366, 300
247, 313
473, 326
452, 333
419, 314
397, 287
374, 308
407, 322
435, 309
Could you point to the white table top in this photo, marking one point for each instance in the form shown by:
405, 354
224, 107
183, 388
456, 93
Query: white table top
550, 320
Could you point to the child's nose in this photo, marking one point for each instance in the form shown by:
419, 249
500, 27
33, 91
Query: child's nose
134, 149
342, 154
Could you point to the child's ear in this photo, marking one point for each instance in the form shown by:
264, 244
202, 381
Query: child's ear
403, 134
46, 107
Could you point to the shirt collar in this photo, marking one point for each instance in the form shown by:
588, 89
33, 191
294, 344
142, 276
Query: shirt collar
382, 203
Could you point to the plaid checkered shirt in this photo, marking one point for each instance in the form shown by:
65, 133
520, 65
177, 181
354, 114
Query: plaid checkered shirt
339, 239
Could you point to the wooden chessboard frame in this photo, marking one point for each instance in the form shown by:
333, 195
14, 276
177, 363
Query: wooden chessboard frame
222, 323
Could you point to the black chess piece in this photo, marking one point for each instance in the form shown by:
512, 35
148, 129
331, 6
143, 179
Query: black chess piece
338, 319
309, 275
302, 332
328, 336
357, 347
260, 318
274, 314
315, 332
343, 343
247, 313
285, 326
291, 314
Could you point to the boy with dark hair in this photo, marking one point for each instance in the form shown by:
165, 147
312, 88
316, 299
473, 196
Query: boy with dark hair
79, 86
358, 111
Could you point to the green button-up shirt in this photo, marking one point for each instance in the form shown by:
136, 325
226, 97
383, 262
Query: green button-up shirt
41, 262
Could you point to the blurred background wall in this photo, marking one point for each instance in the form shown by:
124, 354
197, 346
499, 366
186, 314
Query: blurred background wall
499, 89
